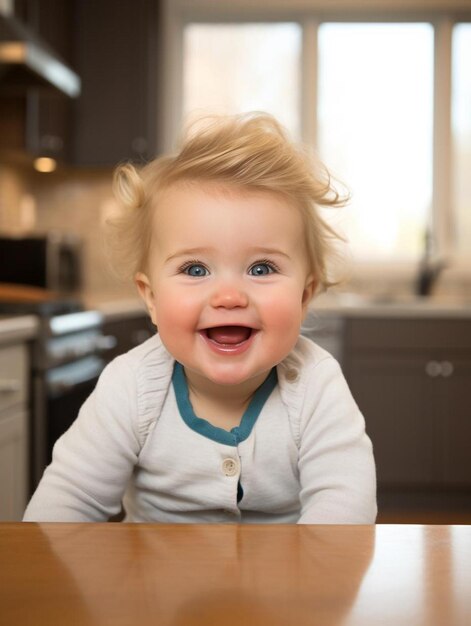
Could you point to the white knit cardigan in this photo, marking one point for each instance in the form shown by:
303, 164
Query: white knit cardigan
307, 458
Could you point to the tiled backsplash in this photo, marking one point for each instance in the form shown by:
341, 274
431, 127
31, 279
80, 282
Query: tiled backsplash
14, 194
72, 201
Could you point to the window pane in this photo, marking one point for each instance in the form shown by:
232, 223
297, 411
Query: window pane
232, 68
461, 116
375, 131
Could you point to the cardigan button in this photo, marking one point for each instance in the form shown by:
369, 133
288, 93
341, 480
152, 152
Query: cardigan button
291, 375
230, 467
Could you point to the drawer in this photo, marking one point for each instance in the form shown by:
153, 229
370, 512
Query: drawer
13, 375
409, 334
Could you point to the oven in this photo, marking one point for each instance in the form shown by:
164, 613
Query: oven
66, 389
68, 358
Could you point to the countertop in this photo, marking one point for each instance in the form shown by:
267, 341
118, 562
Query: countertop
17, 328
407, 306
202, 574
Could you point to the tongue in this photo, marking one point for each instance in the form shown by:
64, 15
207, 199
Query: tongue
229, 334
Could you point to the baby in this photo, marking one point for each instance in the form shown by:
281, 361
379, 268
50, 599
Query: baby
227, 414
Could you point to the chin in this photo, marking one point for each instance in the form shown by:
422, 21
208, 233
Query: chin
233, 376
227, 378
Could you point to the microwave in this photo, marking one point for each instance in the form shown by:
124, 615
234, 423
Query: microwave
51, 261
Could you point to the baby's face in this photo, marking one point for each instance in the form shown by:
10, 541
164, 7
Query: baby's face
227, 285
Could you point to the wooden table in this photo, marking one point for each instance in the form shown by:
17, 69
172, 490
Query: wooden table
142, 574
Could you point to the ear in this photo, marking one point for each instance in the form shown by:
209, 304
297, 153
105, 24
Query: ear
308, 293
145, 291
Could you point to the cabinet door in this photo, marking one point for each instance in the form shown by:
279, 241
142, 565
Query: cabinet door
13, 465
395, 395
115, 115
454, 421
49, 125
48, 114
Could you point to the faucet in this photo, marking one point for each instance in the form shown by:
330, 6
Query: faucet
428, 276
429, 270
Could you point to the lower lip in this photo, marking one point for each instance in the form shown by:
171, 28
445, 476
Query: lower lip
227, 348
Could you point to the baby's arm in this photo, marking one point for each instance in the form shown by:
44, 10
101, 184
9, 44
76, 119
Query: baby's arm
93, 461
337, 471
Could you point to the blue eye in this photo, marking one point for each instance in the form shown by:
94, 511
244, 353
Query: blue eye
261, 269
195, 270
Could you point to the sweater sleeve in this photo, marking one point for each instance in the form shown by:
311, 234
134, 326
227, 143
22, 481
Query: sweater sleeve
93, 461
336, 465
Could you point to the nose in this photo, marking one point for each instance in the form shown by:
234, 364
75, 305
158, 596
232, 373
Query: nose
229, 296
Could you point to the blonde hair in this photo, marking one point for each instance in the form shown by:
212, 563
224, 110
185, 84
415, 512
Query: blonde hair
250, 152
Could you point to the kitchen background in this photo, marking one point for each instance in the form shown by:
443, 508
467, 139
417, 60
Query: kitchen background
381, 88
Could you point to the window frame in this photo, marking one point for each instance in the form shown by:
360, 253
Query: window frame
309, 14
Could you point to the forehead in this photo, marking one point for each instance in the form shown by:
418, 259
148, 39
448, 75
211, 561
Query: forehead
220, 211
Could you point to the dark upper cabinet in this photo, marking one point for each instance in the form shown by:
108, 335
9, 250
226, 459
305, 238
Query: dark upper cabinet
36, 124
39, 122
52, 20
113, 47
117, 59
49, 127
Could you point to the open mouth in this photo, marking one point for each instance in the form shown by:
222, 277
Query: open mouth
226, 339
228, 335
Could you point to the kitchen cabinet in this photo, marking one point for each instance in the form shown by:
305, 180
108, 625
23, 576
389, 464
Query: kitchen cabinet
38, 122
117, 60
43, 119
127, 332
113, 47
50, 114
13, 431
411, 380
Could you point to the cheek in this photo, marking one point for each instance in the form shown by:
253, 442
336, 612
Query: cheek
175, 309
283, 323
175, 322
285, 326
283, 309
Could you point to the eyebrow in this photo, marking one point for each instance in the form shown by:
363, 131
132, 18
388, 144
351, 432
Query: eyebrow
187, 252
271, 251
196, 251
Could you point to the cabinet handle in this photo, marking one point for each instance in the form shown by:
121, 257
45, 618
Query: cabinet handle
9, 386
433, 369
447, 369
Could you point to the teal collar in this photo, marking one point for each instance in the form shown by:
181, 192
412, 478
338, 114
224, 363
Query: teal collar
203, 427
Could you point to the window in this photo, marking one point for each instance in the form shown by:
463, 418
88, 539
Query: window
375, 123
363, 91
231, 68
461, 133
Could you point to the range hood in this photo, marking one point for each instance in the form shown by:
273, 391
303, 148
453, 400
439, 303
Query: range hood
26, 61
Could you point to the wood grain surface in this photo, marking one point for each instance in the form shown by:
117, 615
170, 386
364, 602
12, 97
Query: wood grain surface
195, 575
